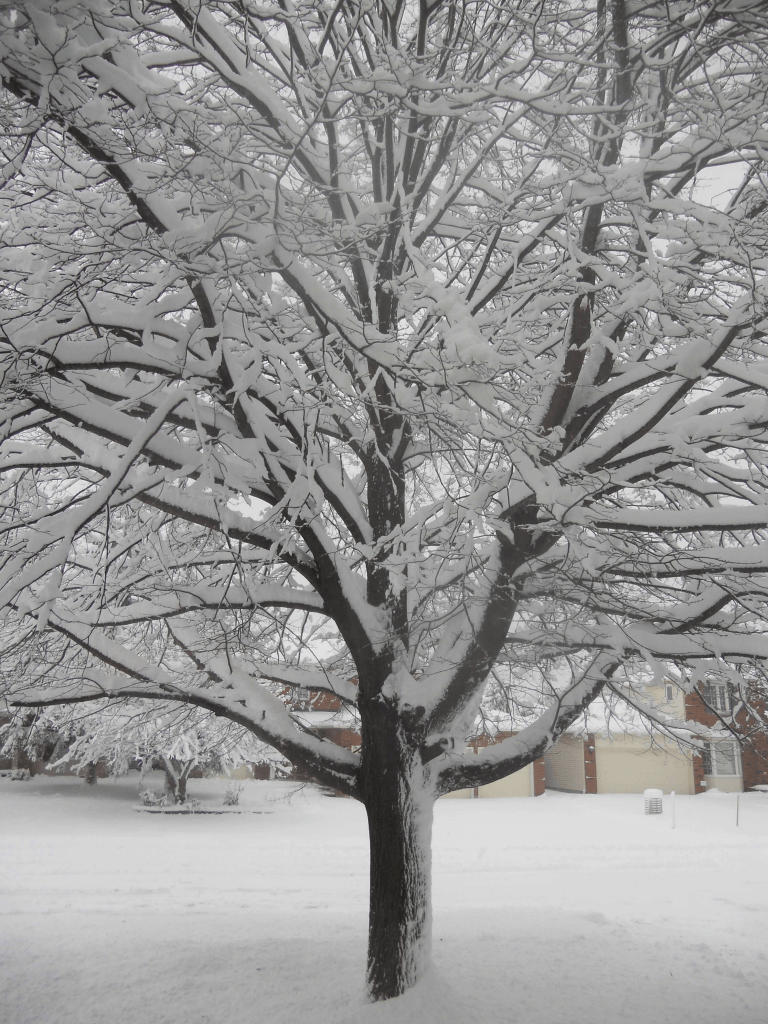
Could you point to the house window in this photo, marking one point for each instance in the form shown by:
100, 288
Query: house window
670, 692
302, 693
718, 696
722, 758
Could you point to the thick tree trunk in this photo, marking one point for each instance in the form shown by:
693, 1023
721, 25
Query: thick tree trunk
399, 803
176, 775
171, 784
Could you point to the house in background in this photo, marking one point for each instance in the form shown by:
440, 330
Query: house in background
593, 758
623, 755
622, 762
631, 759
731, 765
626, 756
324, 715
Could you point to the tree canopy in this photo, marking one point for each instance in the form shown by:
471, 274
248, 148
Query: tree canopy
390, 339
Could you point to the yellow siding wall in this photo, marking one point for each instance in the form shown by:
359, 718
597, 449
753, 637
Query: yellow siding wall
656, 696
629, 764
725, 783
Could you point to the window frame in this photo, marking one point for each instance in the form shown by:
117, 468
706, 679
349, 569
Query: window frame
719, 697
710, 762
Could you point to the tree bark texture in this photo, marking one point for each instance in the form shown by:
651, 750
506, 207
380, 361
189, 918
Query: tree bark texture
170, 786
176, 775
399, 801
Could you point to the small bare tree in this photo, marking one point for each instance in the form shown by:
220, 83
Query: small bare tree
394, 339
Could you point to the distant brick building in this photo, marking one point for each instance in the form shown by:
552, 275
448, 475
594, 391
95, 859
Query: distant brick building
325, 716
743, 759
631, 761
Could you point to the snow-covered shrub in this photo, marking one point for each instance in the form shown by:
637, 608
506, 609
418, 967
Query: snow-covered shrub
150, 798
232, 795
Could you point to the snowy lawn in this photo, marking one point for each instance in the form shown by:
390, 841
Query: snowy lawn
576, 909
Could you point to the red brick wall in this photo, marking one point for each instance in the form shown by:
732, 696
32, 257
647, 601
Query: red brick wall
539, 785
590, 765
698, 773
754, 753
697, 710
754, 750
754, 762
325, 702
754, 758
344, 737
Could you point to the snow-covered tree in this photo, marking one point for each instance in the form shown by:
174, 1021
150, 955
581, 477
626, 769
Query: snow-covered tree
390, 339
125, 734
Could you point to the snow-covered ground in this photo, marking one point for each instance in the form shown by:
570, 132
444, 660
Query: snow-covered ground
573, 909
